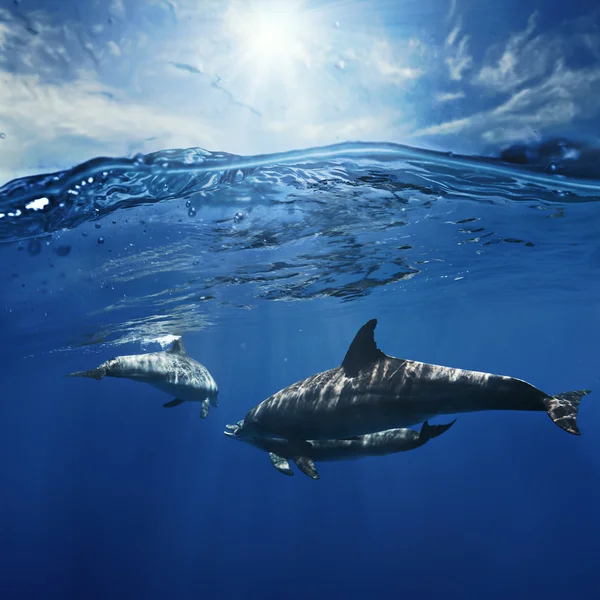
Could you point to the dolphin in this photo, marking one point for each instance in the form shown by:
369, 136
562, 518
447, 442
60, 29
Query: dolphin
171, 371
373, 444
371, 392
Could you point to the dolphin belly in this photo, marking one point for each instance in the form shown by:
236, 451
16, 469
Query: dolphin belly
181, 391
390, 441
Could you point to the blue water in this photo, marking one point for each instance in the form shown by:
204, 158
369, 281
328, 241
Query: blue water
268, 265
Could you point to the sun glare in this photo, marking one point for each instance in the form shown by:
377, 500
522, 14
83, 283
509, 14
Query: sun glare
270, 35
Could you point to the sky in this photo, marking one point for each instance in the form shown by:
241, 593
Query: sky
87, 78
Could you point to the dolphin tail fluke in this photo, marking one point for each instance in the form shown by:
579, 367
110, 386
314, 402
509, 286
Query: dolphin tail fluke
97, 373
563, 409
428, 432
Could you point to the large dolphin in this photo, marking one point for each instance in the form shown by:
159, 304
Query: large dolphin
371, 392
171, 371
373, 444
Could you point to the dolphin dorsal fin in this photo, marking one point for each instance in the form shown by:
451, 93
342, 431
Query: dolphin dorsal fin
363, 350
177, 347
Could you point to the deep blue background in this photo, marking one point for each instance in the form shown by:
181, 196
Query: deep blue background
107, 494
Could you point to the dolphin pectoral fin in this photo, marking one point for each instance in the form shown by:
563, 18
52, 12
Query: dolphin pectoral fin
281, 464
563, 409
363, 351
307, 466
428, 432
204, 409
173, 403
97, 373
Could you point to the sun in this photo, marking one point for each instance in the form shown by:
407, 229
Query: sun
271, 36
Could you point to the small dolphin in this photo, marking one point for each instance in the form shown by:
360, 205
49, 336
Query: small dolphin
373, 444
371, 392
171, 371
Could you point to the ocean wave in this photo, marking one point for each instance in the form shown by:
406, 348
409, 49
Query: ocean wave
42, 204
169, 243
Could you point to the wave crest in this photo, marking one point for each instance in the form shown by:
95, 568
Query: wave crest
42, 204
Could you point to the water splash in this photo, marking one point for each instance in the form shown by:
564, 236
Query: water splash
164, 341
43, 204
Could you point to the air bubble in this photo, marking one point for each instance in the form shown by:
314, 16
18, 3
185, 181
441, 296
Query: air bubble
100, 240
192, 211
239, 216
34, 247
63, 250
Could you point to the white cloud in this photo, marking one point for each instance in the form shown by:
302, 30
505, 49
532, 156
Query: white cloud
521, 59
113, 48
58, 111
453, 35
453, 126
539, 89
117, 8
181, 81
557, 100
69, 120
457, 58
328, 131
451, 10
449, 96
393, 62
5, 29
